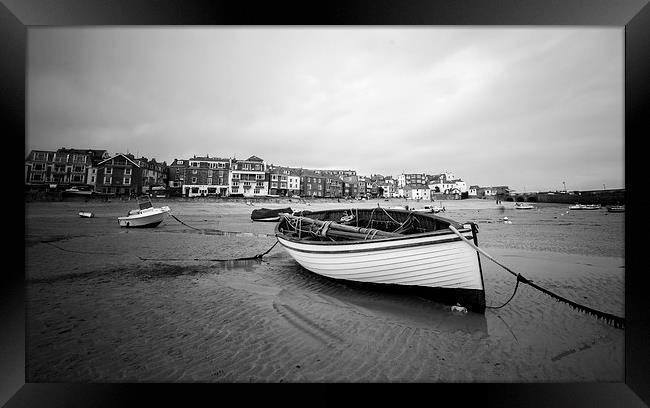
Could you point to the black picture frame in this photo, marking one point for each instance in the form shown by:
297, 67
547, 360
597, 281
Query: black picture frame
17, 15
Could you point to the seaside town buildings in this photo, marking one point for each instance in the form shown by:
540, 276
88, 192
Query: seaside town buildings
205, 176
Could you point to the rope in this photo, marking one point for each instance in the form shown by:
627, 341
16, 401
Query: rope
616, 321
220, 232
247, 258
511, 297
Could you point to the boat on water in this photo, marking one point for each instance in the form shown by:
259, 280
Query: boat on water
269, 214
86, 214
616, 208
393, 248
585, 207
523, 206
146, 216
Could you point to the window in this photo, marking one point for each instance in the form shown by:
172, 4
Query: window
108, 170
257, 191
127, 171
92, 179
38, 166
222, 165
179, 162
193, 180
209, 180
127, 180
195, 171
107, 180
36, 177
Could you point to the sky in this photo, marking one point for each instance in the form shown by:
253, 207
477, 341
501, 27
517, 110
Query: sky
533, 108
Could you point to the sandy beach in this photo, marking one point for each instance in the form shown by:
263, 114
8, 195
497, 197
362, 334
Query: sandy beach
98, 312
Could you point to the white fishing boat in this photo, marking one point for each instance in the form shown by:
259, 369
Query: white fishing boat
523, 206
146, 216
86, 214
585, 207
390, 247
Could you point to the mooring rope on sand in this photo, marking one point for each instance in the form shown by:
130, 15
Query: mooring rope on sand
616, 321
210, 231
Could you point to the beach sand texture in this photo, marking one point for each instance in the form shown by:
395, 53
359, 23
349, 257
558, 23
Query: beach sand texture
97, 312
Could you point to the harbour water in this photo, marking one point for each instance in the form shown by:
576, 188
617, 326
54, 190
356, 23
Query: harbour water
109, 304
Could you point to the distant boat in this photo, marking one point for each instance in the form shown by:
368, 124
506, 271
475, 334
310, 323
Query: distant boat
522, 206
268, 214
389, 247
85, 191
585, 207
86, 214
429, 209
616, 208
146, 216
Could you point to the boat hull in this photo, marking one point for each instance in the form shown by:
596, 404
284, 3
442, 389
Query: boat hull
437, 264
149, 219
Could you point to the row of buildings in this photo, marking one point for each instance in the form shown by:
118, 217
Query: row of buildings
124, 174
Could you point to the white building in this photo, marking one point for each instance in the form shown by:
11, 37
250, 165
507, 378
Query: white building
248, 177
417, 192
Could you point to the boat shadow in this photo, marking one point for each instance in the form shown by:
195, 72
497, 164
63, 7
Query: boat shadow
397, 304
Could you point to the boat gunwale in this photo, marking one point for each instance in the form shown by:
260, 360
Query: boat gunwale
459, 226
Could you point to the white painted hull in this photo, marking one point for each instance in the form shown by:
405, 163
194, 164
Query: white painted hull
436, 261
149, 217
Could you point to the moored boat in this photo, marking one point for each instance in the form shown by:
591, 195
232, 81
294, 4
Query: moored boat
585, 207
390, 247
269, 214
616, 208
78, 191
146, 216
523, 206
86, 214
429, 209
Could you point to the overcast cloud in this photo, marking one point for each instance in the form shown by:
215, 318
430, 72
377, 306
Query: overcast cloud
528, 108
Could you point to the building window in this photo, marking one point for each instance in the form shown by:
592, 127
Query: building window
179, 162
195, 171
209, 180
108, 170
107, 180
127, 172
257, 191
92, 179
127, 180
193, 180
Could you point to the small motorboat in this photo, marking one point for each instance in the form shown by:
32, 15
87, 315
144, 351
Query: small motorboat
86, 214
523, 206
146, 216
585, 207
429, 209
80, 191
616, 208
269, 214
395, 248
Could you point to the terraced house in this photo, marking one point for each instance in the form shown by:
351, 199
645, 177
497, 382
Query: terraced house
248, 177
61, 168
119, 175
202, 176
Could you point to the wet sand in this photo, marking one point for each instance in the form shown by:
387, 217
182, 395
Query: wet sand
97, 312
